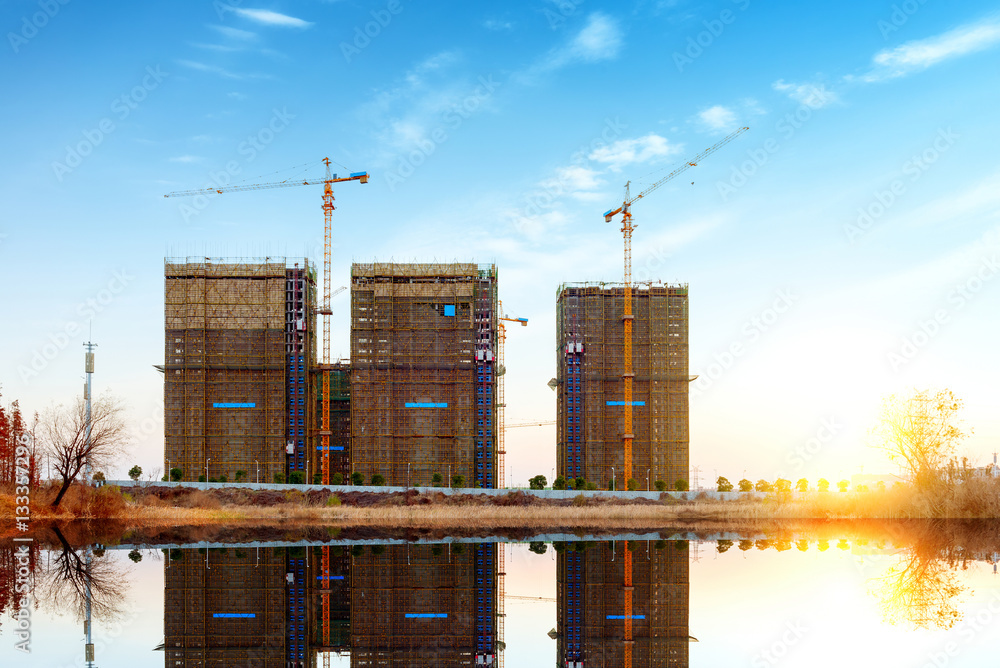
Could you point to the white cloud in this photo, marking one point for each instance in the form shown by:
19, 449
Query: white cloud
717, 118
267, 17
236, 96
627, 151
497, 25
221, 71
235, 33
920, 54
599, 40
187, 158
813, 95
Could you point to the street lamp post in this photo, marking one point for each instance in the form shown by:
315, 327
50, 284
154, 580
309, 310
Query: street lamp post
168, 470
407, 475
612, 477
206, 468
258, 469
647, 480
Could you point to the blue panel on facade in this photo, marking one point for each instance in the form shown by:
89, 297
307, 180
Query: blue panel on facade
449, 309
425, 404
234, 615
623, 617
231, 405
622, 403
426, 615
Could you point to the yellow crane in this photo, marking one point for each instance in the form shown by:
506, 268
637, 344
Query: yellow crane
627, 374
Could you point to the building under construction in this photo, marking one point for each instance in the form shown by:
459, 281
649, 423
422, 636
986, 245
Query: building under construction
239, 347
423, 375
623, 604
590, 376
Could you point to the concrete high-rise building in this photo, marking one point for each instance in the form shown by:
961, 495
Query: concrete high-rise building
593, 600
590, 368
239, 344
423, 374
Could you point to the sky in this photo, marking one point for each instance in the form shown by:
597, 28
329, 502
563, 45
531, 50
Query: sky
842, 249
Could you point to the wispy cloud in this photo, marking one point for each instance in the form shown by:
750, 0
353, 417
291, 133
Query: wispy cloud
497, 25
222, 48
220, 71
267, 17
813, 95
919, 55
236, 96
628, 151
600, 39
717, 118
187, 158
234, 33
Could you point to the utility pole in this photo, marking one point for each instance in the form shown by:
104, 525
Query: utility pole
87, 392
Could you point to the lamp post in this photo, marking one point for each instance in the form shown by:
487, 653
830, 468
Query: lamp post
258, 469
407, 475
168, 470
206, 468
647, 480
612, 477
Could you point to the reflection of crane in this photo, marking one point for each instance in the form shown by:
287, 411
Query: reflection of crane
627, 374
327, 182
626, 210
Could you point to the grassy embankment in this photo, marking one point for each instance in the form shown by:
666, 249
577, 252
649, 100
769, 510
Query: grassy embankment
172, 506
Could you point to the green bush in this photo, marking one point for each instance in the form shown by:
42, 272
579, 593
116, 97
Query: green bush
537, 547
317, 478
241, 476
357, 478
723, 485
746, 485
223, 478
135, 472
279, 478
660, 485
681, 485
202, 478
842, 485
763, 486
176, 474
378, 479
782, 485
135, 555
458, 480
337, 478
296, 478
437, 480
823, 485
591, 486
802, 485
334, 500
559, 483
632, 484
538, 482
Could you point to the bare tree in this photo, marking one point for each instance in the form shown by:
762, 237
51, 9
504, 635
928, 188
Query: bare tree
920, 431
64, 435
72, 579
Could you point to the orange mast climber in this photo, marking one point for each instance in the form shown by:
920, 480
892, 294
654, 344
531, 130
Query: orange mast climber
627, 227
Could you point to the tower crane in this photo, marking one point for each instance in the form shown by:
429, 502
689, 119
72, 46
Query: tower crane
327, 182
627, 374
627, 227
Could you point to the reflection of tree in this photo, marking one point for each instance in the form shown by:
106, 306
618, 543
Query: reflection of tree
922, 591
10, 596
70, 578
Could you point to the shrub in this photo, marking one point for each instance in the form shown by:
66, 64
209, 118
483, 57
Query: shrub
723, 544
202, 478
763, 486
317, 478
135, 472
99, 477
782, 485
337, 478
176, 474
213, 479
681, 485
223, 478
458, 480
559, 483
241, 476
357, 478
580, 483
537, 547
660, 485
745, 485
822, 485
723, 485
538, 482
437, 480
135, 555
378, 549
590, 486
802, 485
579, 500
457, 548
279, 478
334, 500
632, 484
842, 485
378, 479
164, 478
296, 478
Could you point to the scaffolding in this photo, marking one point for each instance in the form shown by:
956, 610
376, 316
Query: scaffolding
422, 351
620, 601
591, 393
424, 605
339, 381
227, 607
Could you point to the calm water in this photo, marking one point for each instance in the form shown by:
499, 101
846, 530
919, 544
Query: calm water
910, 596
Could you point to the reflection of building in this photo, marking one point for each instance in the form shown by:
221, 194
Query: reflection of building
592, 604
423, 382
426, 605
230, 607
591, 363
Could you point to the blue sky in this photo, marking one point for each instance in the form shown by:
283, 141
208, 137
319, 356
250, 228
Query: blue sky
843, 248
